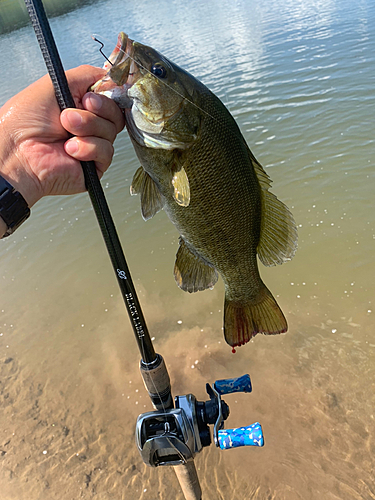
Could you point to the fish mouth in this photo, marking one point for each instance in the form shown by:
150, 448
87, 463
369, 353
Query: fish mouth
123, 71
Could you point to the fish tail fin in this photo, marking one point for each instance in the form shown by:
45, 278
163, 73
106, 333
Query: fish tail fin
243, 320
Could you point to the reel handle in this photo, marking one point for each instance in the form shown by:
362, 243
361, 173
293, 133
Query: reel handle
252, 435
229, 385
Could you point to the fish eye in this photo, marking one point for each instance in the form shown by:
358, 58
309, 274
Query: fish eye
158, 70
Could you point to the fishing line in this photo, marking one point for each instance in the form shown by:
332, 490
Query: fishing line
217, 56
143, 348
65, 100
55, 69
94, 37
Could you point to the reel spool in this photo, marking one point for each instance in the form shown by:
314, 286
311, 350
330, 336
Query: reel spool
175, 436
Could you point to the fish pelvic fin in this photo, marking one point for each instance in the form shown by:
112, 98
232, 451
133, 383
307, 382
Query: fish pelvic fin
191, 272
151, 199
278, 234
243, 320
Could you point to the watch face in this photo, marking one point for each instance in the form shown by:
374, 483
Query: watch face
13, 207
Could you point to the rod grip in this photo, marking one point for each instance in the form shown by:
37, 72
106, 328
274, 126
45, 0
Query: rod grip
156, 379
188, 479
252, 435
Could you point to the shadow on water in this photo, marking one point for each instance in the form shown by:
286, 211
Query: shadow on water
13, 13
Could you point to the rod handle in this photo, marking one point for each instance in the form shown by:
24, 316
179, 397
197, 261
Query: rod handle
252, 435
188, 479
229, 385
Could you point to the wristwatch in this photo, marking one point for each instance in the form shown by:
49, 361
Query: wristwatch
13, 207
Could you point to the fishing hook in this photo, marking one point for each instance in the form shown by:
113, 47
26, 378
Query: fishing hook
101, 49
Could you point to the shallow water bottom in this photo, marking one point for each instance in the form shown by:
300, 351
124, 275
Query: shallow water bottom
68, 419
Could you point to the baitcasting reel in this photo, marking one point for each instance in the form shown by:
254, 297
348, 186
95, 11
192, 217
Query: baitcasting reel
172, 437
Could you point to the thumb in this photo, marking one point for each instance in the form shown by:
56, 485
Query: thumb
80, 79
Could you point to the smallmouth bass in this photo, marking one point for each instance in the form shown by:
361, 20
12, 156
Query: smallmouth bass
196, 165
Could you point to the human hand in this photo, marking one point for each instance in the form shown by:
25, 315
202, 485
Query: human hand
36, 155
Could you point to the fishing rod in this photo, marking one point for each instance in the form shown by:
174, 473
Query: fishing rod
172, 434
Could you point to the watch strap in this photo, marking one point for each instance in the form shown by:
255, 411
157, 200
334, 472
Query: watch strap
13, 207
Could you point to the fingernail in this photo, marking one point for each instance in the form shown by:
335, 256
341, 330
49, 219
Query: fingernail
71, 146
74, 119
95, 101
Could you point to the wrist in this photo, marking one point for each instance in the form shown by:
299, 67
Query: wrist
15, 194
13, 207
13, 166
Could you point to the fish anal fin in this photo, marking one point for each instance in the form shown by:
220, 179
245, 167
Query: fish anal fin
242, 321
151, 199
181, 188
278, 235
191, 272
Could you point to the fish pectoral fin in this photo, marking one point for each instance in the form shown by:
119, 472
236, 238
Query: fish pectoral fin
151, 199
181, 188
191, 272
278, 234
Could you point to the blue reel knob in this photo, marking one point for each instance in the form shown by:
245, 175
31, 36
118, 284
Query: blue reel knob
229, 385
252, 435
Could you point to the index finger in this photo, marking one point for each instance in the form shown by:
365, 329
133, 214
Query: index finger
105, 108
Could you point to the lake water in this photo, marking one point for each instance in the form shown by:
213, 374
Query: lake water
299, 78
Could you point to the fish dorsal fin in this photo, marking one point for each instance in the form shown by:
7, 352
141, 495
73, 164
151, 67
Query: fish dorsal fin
151, 199
181, 188
278, 235
191, 272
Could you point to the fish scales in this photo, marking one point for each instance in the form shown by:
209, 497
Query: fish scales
196, 165
225, 230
